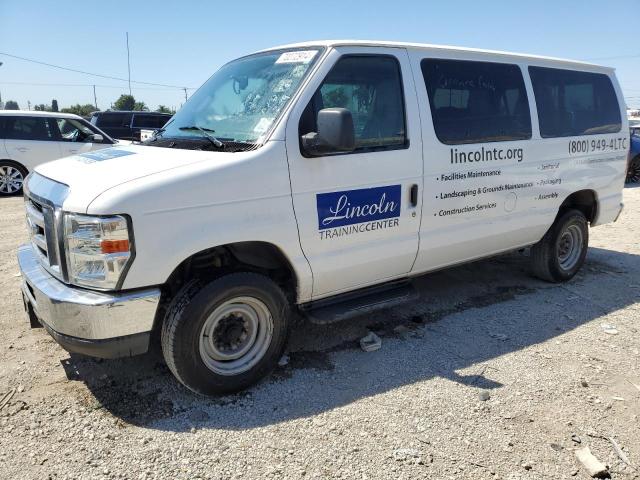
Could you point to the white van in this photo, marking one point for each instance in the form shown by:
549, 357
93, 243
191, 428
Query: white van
318, 179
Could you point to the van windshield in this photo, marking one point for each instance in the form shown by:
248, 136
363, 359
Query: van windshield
241, 101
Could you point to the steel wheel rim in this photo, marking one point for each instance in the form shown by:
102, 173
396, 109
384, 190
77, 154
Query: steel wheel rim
11, 179
569, 247
236, 336
633, 174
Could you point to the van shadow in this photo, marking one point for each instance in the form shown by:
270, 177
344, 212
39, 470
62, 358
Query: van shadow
465, 317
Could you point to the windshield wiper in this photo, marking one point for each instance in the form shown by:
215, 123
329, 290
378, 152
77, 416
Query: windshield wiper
217, 143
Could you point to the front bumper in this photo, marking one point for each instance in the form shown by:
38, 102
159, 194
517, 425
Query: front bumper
106, 325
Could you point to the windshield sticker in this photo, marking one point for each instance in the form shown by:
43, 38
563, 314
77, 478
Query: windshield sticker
301, 56
263, 125
368, 209
106, 154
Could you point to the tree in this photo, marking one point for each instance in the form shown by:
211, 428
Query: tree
82, 110
125, 102
140, 107
54, 105
11, 105
128, 102
163, 109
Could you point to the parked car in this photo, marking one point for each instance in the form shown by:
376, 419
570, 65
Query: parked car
318, 180
28, 139
633, 170
126, 125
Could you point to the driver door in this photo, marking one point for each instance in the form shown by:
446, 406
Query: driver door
358, 213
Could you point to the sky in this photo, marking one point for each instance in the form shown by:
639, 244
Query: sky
183, 43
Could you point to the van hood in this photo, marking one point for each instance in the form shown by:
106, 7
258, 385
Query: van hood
89, 174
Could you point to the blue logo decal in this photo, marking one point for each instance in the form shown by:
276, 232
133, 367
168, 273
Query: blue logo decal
105, 154
336, 209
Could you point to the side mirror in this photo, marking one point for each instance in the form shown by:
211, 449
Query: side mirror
95, 138
335, 133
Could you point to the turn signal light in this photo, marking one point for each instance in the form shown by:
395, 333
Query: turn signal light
114, 246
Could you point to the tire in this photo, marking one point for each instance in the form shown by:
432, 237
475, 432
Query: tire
562, 250
216, 337
12, 177
633, 172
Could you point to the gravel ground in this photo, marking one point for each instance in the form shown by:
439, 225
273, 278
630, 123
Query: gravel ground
492, 374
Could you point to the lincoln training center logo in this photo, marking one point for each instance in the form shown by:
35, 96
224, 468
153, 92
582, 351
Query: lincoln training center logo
357, 211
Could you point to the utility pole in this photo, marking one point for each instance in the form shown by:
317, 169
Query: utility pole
95, 100
29, 105
185, 93
128, 63
1, 104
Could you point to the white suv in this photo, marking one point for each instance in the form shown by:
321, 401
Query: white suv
28, 139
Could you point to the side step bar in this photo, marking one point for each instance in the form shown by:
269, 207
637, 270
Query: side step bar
360, 302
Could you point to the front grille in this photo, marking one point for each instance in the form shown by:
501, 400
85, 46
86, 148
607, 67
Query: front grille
41, 225
43, 199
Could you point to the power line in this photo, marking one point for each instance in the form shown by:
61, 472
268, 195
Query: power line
89, 73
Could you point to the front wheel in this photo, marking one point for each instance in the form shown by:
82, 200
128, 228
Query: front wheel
12, 177
225, 335
561, 252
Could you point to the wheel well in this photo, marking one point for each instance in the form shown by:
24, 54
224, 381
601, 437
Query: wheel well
258, 257
13, 162
583, 200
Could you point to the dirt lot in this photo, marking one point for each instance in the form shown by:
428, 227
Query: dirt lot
492, 374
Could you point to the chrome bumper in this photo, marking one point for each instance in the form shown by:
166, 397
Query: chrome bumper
84, 314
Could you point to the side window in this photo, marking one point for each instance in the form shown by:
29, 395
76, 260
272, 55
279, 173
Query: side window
573, 103
370, 87
161, 120
111, 120
28, 128
143, 121
71, 130
475, 102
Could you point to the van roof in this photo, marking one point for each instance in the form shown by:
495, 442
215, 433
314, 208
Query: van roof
37, 113
100, 112
440, 48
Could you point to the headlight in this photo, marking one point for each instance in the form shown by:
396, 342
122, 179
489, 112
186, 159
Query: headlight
98, 249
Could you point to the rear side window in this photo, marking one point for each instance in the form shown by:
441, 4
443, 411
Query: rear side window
573, 103
113, 120
28, 128
370, 87
475, 102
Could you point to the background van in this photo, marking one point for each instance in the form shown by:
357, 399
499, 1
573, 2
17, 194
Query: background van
126, 125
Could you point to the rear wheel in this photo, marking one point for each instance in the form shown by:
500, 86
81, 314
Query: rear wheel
12, 177
561, 252
633, 172
224, 336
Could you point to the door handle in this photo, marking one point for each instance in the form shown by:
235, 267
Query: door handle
73, 151
414, 195
22, 149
